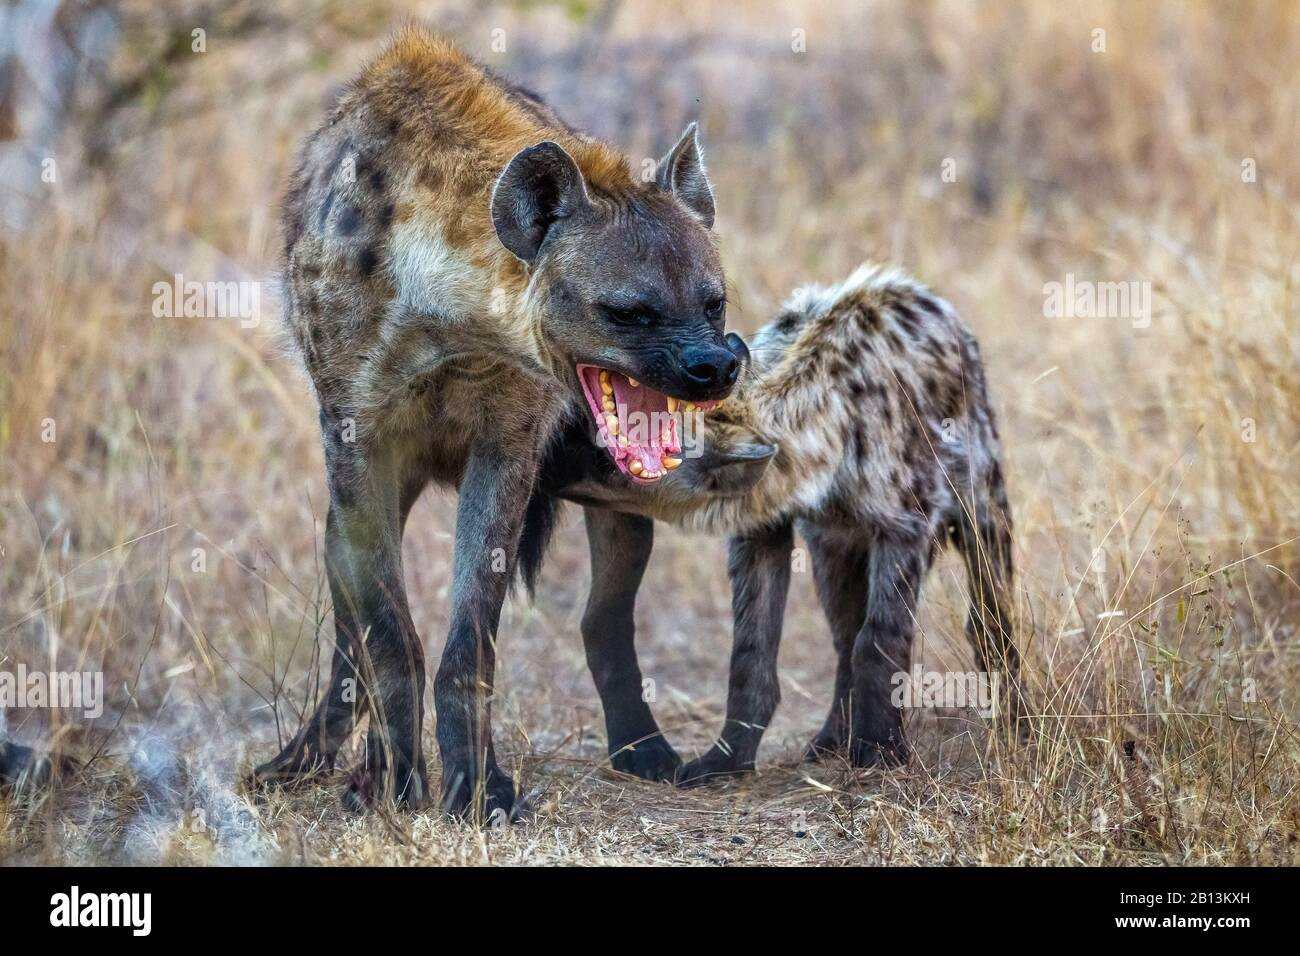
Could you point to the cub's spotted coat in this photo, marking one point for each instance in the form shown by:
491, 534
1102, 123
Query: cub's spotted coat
873, 394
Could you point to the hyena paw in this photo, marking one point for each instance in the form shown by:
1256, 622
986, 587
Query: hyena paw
1011, 722
714, 766
825, 746
365, 789
488, 802
22, 768
291, 766
650, 759
892, 751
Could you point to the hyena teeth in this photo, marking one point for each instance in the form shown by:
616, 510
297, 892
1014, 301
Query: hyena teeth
672, 404
611, 423
636, 467
671, 463
606, 389
633, 382
622, 441
608, 404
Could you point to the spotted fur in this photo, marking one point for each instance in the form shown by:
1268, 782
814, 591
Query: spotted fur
872, 393
387, 222
449, 246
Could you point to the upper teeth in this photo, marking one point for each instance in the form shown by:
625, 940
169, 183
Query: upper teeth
609, 407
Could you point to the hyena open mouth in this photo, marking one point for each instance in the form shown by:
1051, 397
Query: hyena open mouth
639, 427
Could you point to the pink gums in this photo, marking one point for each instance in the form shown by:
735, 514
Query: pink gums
650, 431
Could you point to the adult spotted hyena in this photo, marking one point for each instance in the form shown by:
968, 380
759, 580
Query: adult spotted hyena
864, 422
461, 266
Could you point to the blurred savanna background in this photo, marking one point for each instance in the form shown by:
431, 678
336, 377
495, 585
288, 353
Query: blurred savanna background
162, 497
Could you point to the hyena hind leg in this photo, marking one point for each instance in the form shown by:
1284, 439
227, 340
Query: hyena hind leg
840, 568
620, 550
362, 558
882, 649
314, 748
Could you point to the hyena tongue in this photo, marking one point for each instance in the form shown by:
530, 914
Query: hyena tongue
633, 422
649, 429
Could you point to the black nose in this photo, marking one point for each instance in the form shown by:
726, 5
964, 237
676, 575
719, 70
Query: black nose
709, 366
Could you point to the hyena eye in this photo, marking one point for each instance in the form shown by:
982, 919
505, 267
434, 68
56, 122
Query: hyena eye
714, 309
624, 316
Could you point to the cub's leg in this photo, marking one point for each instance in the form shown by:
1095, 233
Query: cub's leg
840, 570
883, 648
759, 567
620, 547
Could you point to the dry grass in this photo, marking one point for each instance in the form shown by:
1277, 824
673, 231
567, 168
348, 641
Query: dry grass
1157, 596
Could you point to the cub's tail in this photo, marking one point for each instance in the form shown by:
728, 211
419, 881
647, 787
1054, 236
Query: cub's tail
981, 533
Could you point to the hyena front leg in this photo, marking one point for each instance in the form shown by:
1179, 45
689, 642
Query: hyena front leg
759, 567
620, 547
883, 648
494, 493
841, 572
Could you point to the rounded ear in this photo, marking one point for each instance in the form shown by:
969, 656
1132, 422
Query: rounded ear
682, 173
539, 186
735, 470
738, 348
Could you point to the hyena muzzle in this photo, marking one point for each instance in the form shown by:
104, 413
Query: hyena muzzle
862, 420
461, 267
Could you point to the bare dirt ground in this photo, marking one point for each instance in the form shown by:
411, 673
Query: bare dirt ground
167, 531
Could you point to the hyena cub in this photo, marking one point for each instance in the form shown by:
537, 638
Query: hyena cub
863, 421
